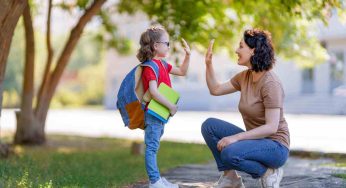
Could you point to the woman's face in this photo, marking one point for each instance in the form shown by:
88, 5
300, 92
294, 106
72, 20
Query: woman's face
244, 53
162, 46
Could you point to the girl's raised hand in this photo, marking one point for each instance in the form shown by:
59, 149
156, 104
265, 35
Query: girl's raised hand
209, 54
186, 47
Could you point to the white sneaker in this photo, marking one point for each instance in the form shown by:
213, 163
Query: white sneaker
273, 180
169, 184
225, 182
158, 184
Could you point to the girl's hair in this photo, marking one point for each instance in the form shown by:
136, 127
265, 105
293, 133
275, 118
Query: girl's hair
263, 58
147, 41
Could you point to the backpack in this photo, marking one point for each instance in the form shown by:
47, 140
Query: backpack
131, 97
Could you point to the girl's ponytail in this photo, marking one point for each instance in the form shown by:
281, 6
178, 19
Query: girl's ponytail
148, 39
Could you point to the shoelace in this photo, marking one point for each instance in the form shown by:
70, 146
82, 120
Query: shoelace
219, 181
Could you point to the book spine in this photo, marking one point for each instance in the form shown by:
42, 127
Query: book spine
157, 116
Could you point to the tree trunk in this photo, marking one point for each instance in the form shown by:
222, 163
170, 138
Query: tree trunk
28, 127
29, 130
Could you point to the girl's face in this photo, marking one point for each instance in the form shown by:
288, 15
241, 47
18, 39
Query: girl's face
244, 53
162, 46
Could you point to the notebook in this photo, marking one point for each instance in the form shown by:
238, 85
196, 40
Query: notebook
157, 109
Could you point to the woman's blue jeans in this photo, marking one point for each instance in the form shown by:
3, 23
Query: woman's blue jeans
250, 156
154, 129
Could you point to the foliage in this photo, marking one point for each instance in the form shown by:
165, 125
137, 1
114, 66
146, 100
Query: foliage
292, 23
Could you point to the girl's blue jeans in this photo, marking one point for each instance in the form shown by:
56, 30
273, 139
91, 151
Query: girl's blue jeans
250, 156
154, 129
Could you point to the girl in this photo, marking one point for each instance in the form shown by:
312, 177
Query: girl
154, 44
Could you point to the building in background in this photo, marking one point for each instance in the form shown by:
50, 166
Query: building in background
317, 90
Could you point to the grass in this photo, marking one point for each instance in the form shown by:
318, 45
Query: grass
70, 161
340, 163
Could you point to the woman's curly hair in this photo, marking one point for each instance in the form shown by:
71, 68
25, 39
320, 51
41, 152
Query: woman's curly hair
147, 41
263, 58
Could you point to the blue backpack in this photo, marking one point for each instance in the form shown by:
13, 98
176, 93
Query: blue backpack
131, 97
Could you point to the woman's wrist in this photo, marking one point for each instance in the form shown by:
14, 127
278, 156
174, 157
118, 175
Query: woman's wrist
208, 64
239, 136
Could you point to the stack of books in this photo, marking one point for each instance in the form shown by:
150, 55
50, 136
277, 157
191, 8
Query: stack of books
157, 109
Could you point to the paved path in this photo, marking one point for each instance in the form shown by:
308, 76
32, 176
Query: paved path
320, 133
298, 173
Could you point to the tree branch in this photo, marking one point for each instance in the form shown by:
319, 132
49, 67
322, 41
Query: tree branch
10, 13
50, 54
28, 83
66, 54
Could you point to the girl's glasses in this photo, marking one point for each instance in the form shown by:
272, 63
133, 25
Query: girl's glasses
167, 43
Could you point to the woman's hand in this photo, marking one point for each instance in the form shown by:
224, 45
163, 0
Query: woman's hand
226, 141
186, 47
209, 54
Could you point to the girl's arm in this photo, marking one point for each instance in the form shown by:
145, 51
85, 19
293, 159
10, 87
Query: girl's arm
215, 88
182, 70
161, 99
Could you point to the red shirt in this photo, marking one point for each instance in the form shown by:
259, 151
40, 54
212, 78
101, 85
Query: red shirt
148, 75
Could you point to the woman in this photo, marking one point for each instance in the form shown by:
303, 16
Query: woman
263, 148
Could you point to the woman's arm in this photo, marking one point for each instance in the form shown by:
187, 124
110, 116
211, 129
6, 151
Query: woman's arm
272, 117
161, 99
182, 70
215, 88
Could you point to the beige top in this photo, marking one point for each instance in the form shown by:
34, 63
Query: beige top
255, 97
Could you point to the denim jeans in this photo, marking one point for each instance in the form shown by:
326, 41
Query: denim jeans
154, 129
253, 157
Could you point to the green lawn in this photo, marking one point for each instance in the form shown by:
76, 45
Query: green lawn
70, 161
339, 162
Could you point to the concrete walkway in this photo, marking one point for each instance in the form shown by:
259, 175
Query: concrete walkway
298, 173
321, 133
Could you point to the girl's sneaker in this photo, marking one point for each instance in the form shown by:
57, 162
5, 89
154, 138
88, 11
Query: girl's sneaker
158, 184
169, 184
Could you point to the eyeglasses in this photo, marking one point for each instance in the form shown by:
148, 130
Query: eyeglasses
167, 43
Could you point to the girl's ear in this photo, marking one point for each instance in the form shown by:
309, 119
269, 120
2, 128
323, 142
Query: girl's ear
155, 46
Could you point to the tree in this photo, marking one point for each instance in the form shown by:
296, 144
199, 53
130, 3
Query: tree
31, 121
290, 22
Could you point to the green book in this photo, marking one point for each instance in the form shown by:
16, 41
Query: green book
157, 109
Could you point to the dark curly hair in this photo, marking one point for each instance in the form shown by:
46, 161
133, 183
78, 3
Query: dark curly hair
263, 58
147, 41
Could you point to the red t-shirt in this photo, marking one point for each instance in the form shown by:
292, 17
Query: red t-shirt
148, 75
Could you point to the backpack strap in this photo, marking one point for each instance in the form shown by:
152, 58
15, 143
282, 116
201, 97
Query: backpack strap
153, 66
165, 64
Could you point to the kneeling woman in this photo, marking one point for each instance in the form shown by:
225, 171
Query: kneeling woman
263, 148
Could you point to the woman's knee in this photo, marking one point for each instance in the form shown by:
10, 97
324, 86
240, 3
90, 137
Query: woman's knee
230, 157
207, 125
